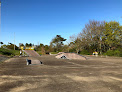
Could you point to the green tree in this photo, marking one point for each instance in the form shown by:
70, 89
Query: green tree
30, 44
11, 46
57, 42
22, 44
4, 46
26, 44
41, 45
65, 48
46, 47
112, 34
1, 43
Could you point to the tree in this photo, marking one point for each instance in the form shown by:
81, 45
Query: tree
1, 43
92, 34
26, 44
11, 46
43, 51
46, 47
98, 36
30, 44
112, 34
41, 45
65, 48
57, 42
76, 43
21, 44
4, 46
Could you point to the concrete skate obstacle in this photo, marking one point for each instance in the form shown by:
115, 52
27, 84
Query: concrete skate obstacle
62, 55
32, 57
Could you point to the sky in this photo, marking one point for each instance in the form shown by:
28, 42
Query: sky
38, 21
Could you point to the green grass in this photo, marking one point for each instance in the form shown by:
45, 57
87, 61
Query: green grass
9, 52
54, 52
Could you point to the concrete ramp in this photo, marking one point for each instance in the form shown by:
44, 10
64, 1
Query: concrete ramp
33, 61
31, 53
70, 56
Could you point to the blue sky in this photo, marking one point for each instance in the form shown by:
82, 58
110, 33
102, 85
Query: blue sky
38, 21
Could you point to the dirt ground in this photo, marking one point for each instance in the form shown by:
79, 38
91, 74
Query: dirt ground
3, 58
97, 74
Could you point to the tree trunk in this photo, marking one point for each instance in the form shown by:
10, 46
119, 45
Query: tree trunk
68, 49
100, 49
109, 47
77, 51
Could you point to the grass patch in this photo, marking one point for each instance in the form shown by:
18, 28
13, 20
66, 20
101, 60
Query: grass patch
9, 52
54, 52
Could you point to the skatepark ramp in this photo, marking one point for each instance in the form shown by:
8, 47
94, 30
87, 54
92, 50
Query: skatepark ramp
31, 53
33, 61
63, 55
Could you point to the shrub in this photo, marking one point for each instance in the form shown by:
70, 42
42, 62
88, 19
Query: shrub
5, 51
9, 52
84, 52
113, 53
117, 53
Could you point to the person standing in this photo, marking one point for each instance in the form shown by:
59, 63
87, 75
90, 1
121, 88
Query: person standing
20, 52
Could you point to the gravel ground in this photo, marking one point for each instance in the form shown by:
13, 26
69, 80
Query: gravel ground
97, 74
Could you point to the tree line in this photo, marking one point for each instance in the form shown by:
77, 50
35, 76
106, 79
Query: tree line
101, 36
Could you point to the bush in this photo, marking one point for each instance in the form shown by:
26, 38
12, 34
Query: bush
15, 52
84, 52
113, 53
9, 52
117, 53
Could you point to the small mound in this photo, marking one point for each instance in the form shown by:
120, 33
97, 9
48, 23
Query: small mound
63, 55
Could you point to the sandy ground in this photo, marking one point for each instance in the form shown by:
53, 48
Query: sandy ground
97, 74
